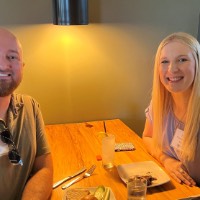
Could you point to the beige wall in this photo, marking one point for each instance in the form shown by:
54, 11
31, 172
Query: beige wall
99, 71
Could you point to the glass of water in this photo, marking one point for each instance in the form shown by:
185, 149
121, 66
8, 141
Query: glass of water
108, 150
137, 188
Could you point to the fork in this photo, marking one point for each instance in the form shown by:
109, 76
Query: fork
85, 175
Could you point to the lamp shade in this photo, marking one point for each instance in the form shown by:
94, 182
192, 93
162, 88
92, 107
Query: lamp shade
70, 12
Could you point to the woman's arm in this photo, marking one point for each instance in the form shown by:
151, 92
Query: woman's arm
147, 137
174, 167
39, 186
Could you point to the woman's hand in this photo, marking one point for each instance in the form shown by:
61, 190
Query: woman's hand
177, 171
174, 167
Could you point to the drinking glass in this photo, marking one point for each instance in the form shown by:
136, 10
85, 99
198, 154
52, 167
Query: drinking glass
137, 187
108, 150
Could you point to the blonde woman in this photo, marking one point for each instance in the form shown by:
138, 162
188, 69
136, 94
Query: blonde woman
172, 130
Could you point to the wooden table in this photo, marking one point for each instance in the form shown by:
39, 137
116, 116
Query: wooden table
76, 145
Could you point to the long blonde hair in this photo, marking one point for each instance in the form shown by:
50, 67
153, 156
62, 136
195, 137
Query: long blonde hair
161, 99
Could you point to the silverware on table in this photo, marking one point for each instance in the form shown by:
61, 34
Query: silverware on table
68, 178
85, 175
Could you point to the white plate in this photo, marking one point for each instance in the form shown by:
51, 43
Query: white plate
92, 190
143, 168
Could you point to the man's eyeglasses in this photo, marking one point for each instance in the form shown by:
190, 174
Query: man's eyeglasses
6, 137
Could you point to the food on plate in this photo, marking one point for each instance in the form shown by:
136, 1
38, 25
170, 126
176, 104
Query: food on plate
76, 194
149, 179
89, 197
101, 193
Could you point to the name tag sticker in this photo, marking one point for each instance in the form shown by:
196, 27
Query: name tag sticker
177, 139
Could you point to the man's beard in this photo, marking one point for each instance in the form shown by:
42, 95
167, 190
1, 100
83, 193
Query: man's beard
8, 87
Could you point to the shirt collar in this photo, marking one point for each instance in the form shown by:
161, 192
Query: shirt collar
15, 104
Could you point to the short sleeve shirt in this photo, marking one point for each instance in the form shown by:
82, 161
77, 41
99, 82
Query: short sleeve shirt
171, 124
26, 125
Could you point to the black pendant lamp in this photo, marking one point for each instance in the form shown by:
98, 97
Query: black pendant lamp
70, 12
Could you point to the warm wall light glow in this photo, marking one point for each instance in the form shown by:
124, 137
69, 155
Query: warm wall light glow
81, 72
65, 36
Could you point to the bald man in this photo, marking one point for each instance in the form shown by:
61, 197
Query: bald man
25, 160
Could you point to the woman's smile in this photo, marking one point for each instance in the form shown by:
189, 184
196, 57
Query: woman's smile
177, 67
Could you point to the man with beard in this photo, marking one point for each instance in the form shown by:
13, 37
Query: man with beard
25, 159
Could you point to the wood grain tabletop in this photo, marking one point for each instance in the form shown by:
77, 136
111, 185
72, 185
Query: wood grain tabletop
78, 145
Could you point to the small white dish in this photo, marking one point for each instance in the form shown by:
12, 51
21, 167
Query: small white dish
143, 168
